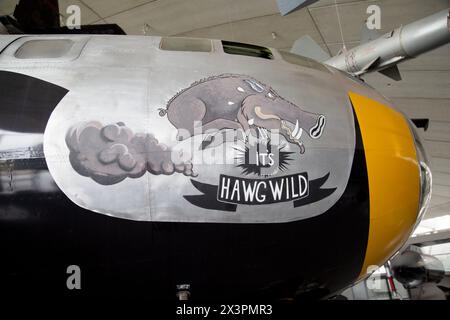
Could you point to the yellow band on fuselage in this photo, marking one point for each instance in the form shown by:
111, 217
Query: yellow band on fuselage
394, 178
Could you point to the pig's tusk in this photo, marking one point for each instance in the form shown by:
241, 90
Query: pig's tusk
299, 135
297, 128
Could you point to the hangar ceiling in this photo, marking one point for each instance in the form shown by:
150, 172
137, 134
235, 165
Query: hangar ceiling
423, 93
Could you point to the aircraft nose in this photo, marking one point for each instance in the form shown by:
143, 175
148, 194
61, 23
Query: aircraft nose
393, 169
426, 176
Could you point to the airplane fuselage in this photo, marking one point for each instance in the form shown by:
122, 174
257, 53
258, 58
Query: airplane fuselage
150, 167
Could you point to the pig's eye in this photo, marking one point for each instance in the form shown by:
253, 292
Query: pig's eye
271, 95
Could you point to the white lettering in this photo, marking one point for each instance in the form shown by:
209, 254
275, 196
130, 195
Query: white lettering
294, 195
287, 189
303, 185
271, 159
236, 191
249, 191
277, 190
74, 280
201, 311
225, 187
74, 19
260, 197
374, 20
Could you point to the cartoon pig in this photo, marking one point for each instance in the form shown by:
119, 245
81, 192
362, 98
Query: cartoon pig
231, 101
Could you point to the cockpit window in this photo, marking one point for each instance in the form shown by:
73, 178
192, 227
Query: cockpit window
303, 61
245, 49
44, 49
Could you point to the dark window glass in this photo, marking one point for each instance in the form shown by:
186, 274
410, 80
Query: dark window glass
44, 49
244, 49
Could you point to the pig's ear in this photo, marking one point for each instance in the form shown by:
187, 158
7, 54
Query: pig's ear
259, 112
255, 86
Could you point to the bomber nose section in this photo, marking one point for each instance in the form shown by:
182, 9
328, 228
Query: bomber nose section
395, 179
